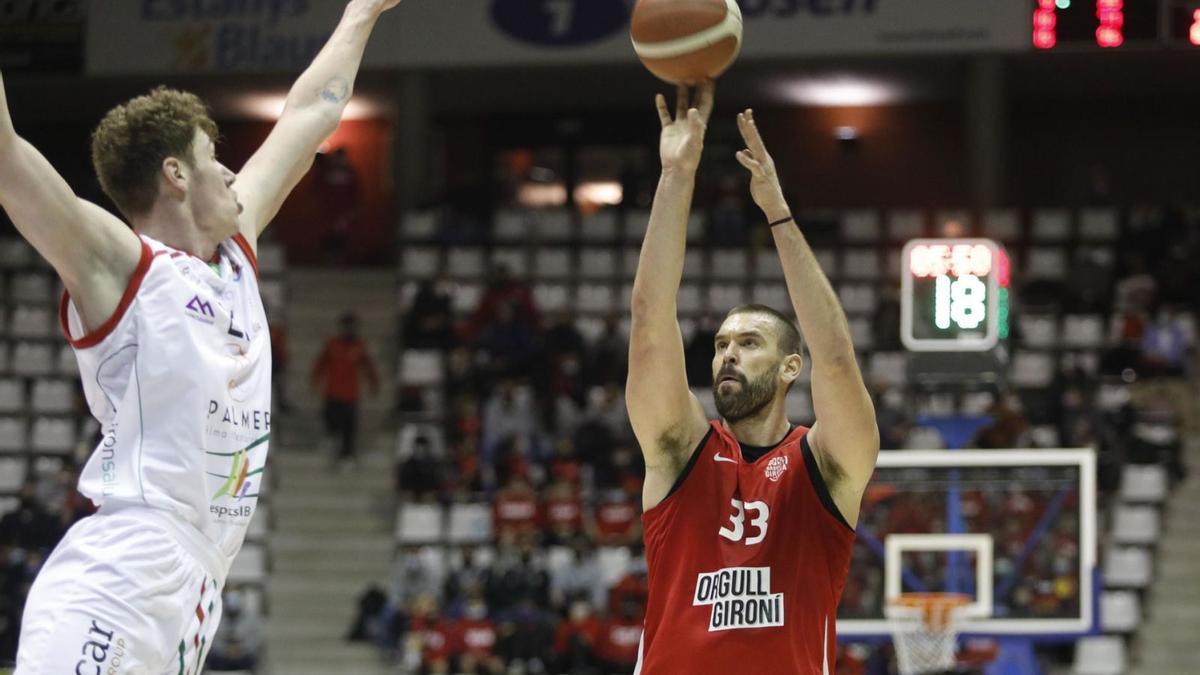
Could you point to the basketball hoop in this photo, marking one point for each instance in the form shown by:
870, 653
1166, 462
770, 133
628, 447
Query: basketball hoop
925, 628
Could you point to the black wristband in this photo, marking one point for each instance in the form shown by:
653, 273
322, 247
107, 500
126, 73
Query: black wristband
782, 221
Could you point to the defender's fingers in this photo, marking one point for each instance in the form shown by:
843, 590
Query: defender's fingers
744, 158
754, 138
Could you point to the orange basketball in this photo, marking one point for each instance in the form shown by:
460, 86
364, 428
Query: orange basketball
686, 41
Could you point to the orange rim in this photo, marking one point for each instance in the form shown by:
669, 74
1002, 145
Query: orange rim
936, 609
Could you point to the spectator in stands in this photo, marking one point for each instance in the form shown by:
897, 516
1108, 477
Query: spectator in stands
416, 575
466, 580
1137, 290
727, 220
575, 641
507, 344
562, 510
368, 623
1165, 345
617, 521
30, 526
428, 640
509, 416
429, 323
503, 291
1009, 428
337, 370
238, 642
700, 351
619, 639
516, 576
476, 641
421, 474
527, 637
563, 369
581, 579
468, 478
515, 512
609, 355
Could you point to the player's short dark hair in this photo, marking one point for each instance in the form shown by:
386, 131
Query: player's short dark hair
789, 335
131, 142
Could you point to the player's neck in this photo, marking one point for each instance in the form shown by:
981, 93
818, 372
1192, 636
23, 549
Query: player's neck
763, 430
172, 224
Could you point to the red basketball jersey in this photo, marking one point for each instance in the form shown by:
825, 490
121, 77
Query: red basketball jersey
747, 562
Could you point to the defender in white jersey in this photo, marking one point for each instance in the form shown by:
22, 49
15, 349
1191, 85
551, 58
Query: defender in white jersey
174, 355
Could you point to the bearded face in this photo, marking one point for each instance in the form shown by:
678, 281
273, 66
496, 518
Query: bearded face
738, 396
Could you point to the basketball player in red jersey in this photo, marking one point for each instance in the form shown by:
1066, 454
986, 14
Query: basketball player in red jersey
748, 519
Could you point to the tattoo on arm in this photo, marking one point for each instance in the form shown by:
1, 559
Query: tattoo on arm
336, 90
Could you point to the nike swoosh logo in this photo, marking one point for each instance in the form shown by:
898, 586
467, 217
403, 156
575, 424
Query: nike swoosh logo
722, 458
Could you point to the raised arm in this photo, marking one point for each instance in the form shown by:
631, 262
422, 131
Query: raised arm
667, 419
845, 438
93, 252
311, 114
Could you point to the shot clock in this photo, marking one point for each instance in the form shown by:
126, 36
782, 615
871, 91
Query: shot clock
954, 295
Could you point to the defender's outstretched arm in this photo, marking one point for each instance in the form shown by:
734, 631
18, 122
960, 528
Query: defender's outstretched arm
311, 114
93, 252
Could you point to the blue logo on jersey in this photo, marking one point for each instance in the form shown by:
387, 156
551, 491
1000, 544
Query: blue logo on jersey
560, 23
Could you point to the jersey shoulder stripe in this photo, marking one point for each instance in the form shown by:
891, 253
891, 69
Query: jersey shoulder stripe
105, 329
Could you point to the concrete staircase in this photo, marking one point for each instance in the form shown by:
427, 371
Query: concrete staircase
1167, 641
332, 533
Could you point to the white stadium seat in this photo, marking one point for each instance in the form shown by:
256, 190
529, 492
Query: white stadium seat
465, 263
694, 265
465, 297
511, 225
860, 226
1002, 224
1135, 525
419, 225
419, 524
1144, 483
771, 295
768, 267
905, 225
860, 263
888, 368
688, 300
1120, 611
552, 263
1050, 225
1098, 224
826, 258
514, 259
1032, 370
1127, 567
600, 226
33, 359
53, 436
469, 524
730, 264
12, 434
1039, 331
31, 287
597, 263
551, 297
1100, 655
33, 322
15, 254
1084, 331
12, 474
52, 397
551, 225
613, 562
12, 396
1046, 262
595, 298
421, 367
419, 262
724, 297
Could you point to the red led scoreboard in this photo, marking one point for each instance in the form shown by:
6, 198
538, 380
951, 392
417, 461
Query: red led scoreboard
1115, 24
954, 295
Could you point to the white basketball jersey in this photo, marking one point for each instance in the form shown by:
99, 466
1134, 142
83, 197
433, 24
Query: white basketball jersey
180, 381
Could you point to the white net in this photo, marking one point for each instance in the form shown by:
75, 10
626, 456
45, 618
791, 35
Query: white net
925, 631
